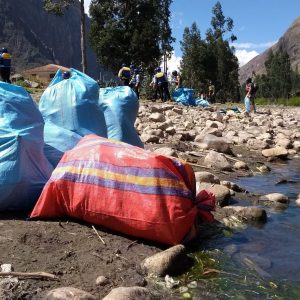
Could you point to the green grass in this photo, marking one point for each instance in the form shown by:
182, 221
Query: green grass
295, 101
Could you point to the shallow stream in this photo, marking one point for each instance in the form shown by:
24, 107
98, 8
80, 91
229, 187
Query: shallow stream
256, 262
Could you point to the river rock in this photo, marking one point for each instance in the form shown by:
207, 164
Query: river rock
167, 151
275, 152
275, 197
222, 193
157, 117
131, 293
217, 160
219, 144
69, 293
101, 280
148, 138
233, 186
249, 213
172, 261
240, 165
206, 177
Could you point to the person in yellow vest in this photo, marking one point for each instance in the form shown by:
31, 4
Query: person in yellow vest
5, 65
161, 82
124, 74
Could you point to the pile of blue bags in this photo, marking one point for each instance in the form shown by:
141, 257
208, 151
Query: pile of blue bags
32, 140
187, 97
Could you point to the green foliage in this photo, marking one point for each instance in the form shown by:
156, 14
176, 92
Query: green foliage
211, 59
131, 31
57, 6
295, 101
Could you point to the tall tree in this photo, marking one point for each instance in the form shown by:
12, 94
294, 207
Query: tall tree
193, 58
57, 7
127, 31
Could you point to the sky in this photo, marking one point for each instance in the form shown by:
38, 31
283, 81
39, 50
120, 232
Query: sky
258, 24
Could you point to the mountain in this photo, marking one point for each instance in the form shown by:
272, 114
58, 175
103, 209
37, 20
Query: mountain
35, 37
289, 42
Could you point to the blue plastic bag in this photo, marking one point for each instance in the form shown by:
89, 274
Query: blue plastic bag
24, 169
120, 106
247, 104
184, 96
70, 110
201, 102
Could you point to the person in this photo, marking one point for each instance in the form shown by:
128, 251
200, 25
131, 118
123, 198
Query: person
250, 89
124, 75
135, 82
178, 79
161, 82
211, 92
5, 65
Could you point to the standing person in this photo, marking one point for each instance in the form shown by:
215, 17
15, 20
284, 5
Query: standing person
248, 90
135, 82
178, 79
211, 92
161, 82
5, 65
124, 75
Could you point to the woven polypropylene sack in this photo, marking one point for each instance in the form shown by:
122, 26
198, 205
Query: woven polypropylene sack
124, 188
24, 169
120, 106
70, 110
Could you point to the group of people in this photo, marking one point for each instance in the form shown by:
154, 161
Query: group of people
130, 76
5, 65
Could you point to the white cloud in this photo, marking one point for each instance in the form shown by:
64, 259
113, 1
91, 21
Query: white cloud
253, 45
173, 62
86, 6
244, 56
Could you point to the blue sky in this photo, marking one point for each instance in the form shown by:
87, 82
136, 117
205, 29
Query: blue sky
257, 23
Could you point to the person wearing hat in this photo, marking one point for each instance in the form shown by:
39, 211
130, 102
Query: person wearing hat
135, 81
124, 74
5, 65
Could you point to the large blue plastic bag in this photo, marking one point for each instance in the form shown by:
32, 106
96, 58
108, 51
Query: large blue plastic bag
184, 96
70, 110
120, 106
24, 169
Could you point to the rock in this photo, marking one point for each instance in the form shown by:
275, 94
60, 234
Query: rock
206, 177
17, 77
131, 293
171, 130
6, 268
219, 144
69, 293
147, 138
255, 144
157, 117
31, 84
172, 261
298, 202
284, 143
249, 213
101, 280
233, 186
275, 152
240, 165
167, 151
217, 160
275, 197
222, 193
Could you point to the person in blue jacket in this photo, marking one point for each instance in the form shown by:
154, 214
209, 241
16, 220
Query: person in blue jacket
5, 65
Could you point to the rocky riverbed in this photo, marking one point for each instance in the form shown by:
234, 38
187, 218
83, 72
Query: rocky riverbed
222, 148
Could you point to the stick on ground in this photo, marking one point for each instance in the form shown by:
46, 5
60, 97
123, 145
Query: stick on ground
101, 239
37, 275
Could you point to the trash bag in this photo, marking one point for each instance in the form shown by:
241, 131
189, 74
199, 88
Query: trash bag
120, 106
70, 110
126, 189
247, 104
201, 102
184, 96
24, 169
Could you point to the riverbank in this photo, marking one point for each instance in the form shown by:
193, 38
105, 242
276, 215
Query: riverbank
229, 146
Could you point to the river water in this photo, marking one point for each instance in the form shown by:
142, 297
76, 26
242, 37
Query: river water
260, 262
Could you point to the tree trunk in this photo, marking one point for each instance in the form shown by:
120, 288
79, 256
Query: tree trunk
82, 39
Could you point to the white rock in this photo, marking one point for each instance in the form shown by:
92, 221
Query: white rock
101, 280
167, 151
69, 293
217, 160
206, 177
131, 293
275, 197
275, 152
240, 165
157, 117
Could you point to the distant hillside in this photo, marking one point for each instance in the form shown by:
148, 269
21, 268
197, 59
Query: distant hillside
290, 42
36, 38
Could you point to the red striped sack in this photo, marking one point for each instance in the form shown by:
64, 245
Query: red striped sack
123, 188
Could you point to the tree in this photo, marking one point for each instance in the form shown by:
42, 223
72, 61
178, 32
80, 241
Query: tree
193, 64
130, 31
57, 7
